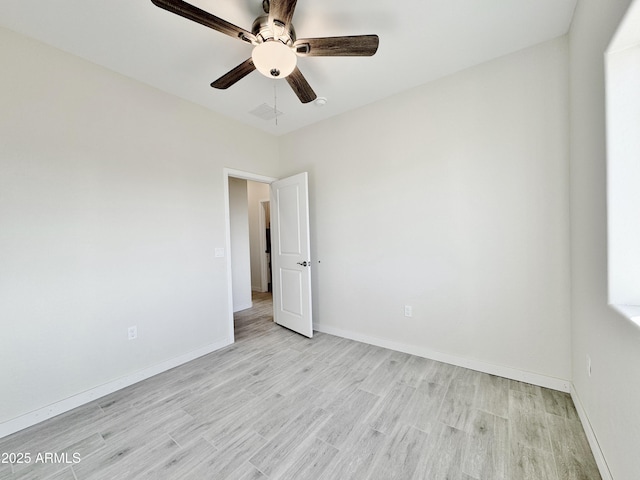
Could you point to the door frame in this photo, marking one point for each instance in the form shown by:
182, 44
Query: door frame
252, 177
264, 263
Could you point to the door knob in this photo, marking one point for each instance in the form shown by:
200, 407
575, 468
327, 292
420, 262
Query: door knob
304, 264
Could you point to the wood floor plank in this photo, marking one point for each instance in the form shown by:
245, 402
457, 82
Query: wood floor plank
347, 417
582, 450
188, 433
368, 357
401, 456
527, 463
415, 370
466, 376
573, 457
130, 457
165, 391
228, 357
245, 472
277, 375
349, 356
386, 374
278, 410
337, 382
41, 472
312, 460
332, 351
298, 378
486, 456
276, 362
153, 420
320, 344
5, 469
225, 463
442, 373
66, 474
528, 424
493, 395
181, 462
220, 401
282, 446
356, 457
236, 454
218, 376
226, 428
444, 457
559, 403
457, 405
424, 406
525, 387
391, 409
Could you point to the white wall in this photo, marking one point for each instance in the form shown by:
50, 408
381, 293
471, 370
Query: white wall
111, 205
451, 198
611, 396
257, 192
240, 254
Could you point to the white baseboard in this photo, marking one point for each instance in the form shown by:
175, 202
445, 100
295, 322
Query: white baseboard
50, 411
605, 473
501, 371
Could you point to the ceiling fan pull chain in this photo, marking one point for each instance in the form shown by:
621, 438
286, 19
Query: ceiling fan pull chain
275, 102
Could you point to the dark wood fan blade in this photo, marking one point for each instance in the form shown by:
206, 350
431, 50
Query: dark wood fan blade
301, 87
349, 46
186, 10
281, 11
231, 77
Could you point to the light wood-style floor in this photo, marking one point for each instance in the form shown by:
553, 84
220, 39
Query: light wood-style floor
276, 405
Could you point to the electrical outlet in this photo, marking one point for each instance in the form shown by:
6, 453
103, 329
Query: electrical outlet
132, 332
408, 311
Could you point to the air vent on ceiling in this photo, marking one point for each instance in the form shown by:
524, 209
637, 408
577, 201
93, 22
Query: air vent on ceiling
266, 112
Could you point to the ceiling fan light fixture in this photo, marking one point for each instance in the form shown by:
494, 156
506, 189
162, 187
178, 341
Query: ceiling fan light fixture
274, 59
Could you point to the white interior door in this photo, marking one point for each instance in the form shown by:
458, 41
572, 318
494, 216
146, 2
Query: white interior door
290, 257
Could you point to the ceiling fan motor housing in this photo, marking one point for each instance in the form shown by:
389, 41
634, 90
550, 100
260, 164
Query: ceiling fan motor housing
263, 32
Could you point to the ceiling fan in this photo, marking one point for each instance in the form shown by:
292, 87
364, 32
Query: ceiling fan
275, 46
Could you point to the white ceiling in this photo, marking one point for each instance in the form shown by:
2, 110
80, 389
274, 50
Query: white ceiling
420, 40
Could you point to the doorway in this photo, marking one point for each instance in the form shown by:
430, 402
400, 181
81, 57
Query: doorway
245, 218
289, 254
249, 215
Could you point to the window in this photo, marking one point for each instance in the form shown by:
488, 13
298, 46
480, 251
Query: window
622, 63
